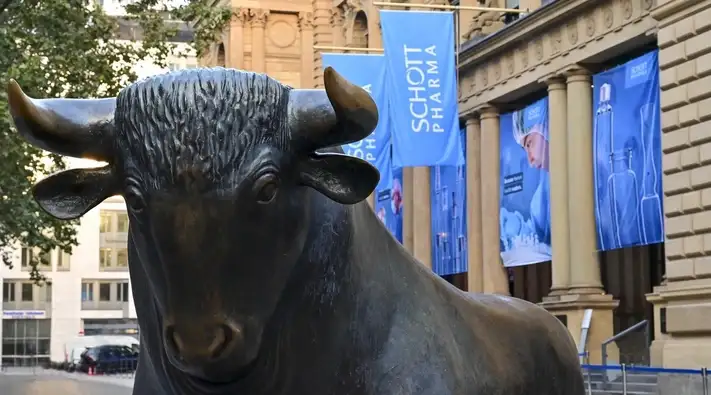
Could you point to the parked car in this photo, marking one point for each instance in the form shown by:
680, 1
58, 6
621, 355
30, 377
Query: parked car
75, 347
107, 359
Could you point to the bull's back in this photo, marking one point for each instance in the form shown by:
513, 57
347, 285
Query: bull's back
526, 349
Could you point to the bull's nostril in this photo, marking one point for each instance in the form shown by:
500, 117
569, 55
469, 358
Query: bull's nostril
218, 342
174, 341
223, 339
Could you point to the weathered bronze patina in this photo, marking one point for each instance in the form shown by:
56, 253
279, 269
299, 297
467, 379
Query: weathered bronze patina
256, 266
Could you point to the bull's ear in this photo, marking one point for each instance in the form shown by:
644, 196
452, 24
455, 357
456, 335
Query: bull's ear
72, 193
342, 178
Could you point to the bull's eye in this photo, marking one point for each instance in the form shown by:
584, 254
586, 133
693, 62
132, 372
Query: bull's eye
266, 188
134, 199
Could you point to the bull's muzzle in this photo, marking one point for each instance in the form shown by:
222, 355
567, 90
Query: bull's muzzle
199, 344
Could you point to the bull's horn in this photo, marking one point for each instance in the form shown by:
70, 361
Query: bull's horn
82, 128
343, 113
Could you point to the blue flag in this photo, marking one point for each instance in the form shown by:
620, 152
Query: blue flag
627, 154
368, 72
448, 200
389, 205
524, 212
422, 85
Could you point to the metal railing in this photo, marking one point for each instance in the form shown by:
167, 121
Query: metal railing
646, 380
640, 325
121, 370
644, 324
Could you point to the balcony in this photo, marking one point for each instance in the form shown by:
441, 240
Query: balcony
103, 295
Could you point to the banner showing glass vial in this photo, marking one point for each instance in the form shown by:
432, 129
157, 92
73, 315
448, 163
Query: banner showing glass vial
422, 85
448, 199
628, 155
389, 205
368, 72
524, 216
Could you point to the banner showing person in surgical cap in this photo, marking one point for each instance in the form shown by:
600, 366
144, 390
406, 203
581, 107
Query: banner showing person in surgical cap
524, 216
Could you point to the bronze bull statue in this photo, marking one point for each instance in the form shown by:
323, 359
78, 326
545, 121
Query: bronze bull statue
258, 268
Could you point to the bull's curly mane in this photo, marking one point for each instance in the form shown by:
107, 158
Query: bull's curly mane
199, 120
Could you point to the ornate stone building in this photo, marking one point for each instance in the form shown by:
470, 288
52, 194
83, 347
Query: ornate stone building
552, 50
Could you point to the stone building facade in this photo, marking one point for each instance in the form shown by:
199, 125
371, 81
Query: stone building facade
554, 48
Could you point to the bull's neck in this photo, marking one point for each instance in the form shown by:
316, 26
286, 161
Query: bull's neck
338, 306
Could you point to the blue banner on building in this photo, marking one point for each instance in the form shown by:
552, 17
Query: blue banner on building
422, 85
448, 199
628, 154
389, 205
368, 72
524, 216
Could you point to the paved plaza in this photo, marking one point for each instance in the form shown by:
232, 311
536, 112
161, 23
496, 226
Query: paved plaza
43, 382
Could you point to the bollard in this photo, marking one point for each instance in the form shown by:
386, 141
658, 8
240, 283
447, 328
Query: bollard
705, 380
624, 379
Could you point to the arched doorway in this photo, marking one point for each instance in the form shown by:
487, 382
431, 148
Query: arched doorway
360, 31
221, 59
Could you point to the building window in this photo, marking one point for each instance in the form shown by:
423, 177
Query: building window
104, 292
44, 259
105, 255
122, 222
105, 222
112, 294
512, 3
48, 292
122, 292
63, 260
87, 292
25, 342
26, 257
27, 291
122, 257
8, 292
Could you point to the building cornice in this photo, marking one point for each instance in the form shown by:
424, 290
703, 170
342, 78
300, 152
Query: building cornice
556, 13
672, 7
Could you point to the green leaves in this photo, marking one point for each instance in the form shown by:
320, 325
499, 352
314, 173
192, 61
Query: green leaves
66, 48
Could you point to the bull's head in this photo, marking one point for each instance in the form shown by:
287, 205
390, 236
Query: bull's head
216, 188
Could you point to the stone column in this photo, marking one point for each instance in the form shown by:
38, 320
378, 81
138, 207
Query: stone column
259, 21
494, 274
322, 36
558, 167
475, 275
337, 21
235, 47
375, 40
375, 36
585, 268
585, 290
409, 209
422, 216
306, 28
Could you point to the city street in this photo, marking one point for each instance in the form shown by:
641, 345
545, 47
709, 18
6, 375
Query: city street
58, 383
